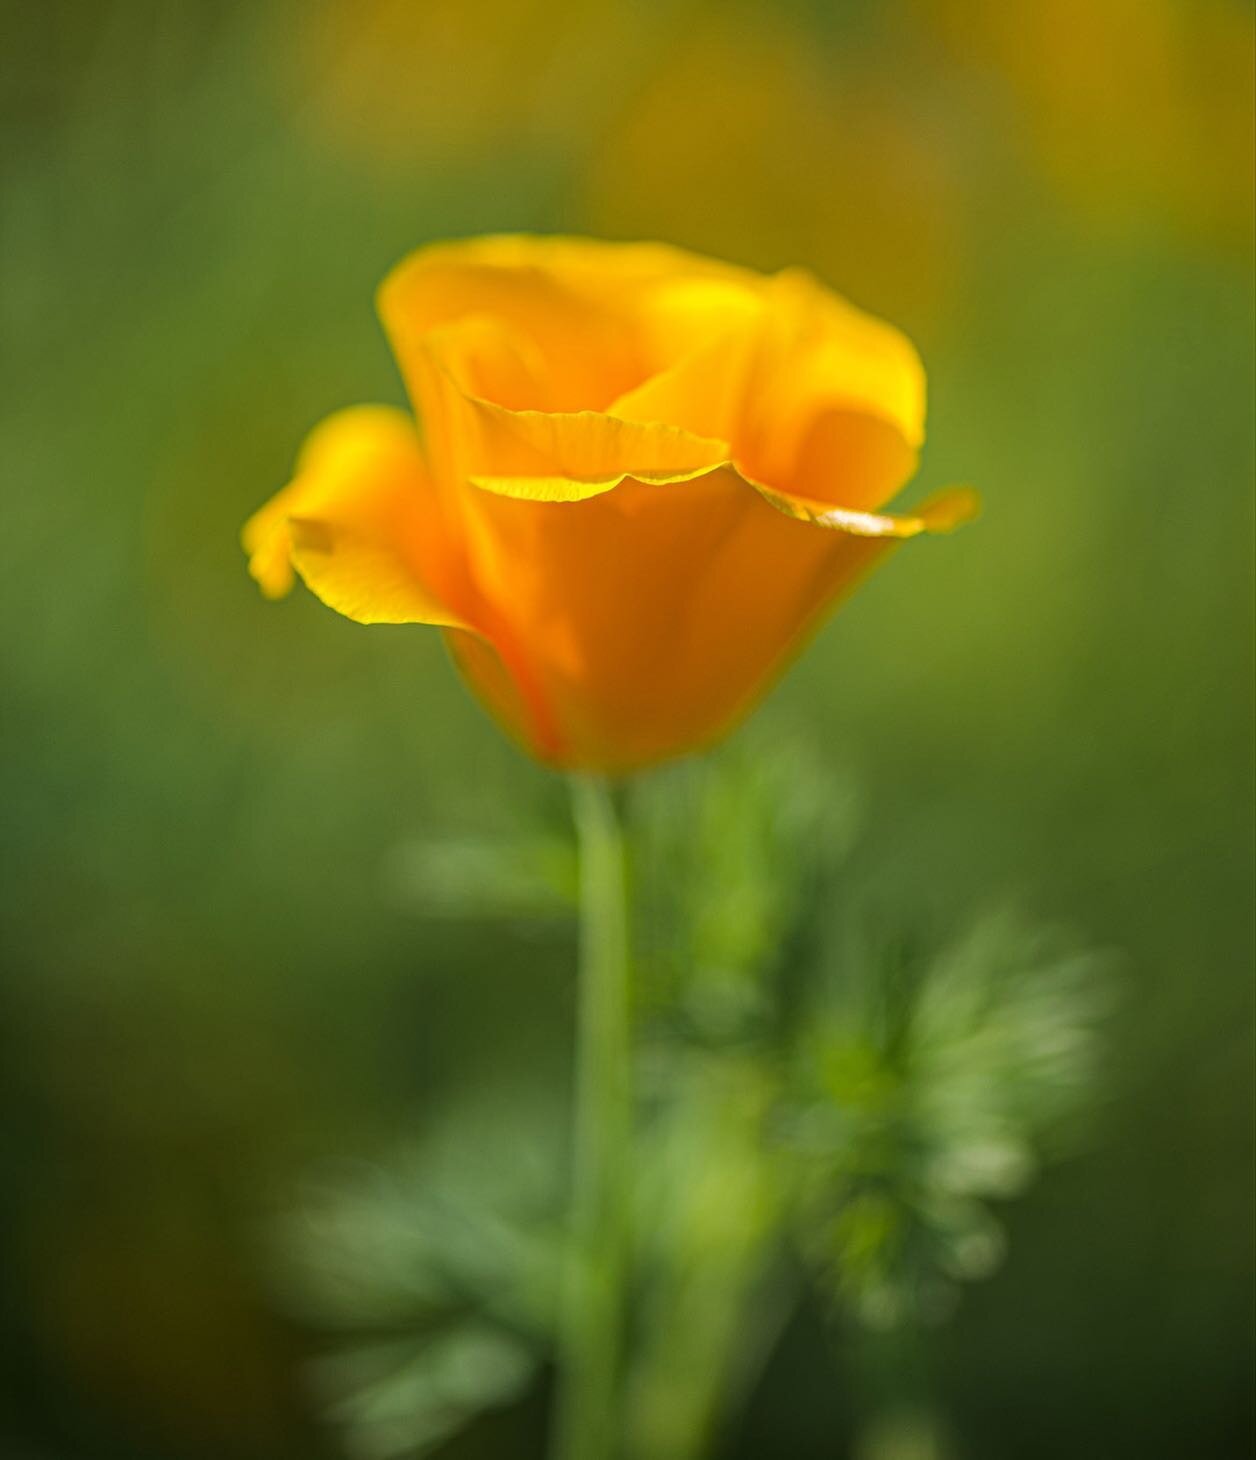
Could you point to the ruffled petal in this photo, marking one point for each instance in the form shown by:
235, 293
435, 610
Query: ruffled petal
704, 389
362, 524
565, 458
649, 619
943, 512
835, 399
601, 318
551, 456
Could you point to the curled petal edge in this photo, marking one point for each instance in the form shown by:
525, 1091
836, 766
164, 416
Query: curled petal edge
943, 512
568, 489
364, 581
556, 456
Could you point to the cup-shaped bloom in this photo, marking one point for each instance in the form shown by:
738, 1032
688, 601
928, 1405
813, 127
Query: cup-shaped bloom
638, 481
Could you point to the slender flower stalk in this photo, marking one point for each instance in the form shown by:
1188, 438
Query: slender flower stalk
591, 1324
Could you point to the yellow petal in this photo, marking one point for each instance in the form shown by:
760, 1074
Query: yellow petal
363, 525
851, 457
584, 338
568, 457
835, 399
601, 317
650, 618
943, 512
543, 455
268, 543
704, 389
851, 357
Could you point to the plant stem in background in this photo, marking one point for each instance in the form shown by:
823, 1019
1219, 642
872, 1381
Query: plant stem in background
591, 1321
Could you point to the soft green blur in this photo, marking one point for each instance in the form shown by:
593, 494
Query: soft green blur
235, 958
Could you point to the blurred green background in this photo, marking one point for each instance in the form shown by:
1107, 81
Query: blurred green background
214, 979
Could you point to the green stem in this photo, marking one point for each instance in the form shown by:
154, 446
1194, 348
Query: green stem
591, 1321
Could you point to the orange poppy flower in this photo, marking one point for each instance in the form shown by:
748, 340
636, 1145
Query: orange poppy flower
641, 479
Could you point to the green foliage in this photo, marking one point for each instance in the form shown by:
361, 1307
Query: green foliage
404, 1396
730, 852
531, 877
433, 1277
813, 1100
930, 1083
